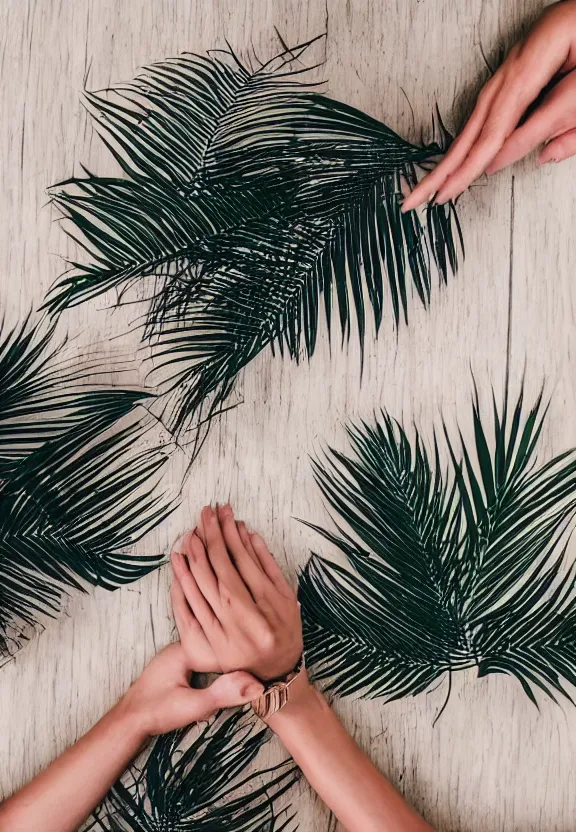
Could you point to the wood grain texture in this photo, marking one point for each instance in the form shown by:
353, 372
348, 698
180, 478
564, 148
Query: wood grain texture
492, 762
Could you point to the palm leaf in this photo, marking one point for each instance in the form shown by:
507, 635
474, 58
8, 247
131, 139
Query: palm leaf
248, 203
76, 488
444, 570
42, 395
201, 783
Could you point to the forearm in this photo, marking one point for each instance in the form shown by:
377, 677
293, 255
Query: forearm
360, 797
63, 795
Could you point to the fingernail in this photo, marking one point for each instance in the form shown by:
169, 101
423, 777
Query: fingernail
208, 513
253, 690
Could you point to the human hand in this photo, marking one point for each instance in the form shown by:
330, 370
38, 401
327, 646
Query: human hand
493, 137
162, 700
232, 599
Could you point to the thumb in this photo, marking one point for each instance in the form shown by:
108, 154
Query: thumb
227, 691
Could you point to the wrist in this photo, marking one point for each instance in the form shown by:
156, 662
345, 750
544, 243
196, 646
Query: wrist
129, 717
305, 702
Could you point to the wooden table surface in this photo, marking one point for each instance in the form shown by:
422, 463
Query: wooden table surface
492, 761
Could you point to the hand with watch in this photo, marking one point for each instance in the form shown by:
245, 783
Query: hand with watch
235, 610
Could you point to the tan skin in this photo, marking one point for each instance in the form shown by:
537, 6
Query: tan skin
492, 138
235, 613
61, 797
235, 609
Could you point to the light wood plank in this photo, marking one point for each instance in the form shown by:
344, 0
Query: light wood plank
492, 762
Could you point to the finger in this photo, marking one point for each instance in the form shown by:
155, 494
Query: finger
227, 691
245, 538
173, 660
459, 148
220, 560
203, 611
560, 148
197, 562
496, 130
183, 615
186, 621
532, 70
250, 569
554, 116
270, 566
199, 651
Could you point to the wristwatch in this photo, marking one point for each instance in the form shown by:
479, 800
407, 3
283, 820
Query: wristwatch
277, 693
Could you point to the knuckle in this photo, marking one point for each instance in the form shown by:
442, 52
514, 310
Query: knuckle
268, 639
485, 93
491, 138
225, 595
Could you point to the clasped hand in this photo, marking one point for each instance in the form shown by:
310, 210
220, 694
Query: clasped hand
236, 615
233, 607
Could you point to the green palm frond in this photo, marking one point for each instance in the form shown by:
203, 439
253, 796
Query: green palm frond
249, 202
445, 570
201, 785
42, 396
76, 488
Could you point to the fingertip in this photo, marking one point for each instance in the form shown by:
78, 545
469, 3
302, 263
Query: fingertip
546, 156
210, 517
442, 197
409, 204
249, 687
177, 547
200, 532
197, 548
225, 512
253, 691
177, 561
235, 688
244, 535
259, 545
